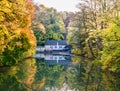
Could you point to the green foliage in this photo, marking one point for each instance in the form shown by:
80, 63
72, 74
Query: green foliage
52, 22
110, 58
51, 74
75, 77
19, 77
16, 37
97, 35
13, 53
14, 84
40, 37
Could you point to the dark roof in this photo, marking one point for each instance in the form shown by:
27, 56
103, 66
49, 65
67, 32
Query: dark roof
54, 42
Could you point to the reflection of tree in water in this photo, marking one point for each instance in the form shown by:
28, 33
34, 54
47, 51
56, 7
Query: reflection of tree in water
10, 83
83, 77
50, 74
89, 77
18, 78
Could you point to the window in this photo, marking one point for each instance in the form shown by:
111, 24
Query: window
55, 57
51, 46
55, 46
60, 46
60, 58
51, 58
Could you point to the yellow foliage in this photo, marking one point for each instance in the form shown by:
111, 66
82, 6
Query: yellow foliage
15, 21
30, 70
42, 28
40, 84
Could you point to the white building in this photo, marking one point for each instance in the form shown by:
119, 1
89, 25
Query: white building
55, 45
39, 48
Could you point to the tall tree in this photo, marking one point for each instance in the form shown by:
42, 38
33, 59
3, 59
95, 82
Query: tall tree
16, 36
47, 24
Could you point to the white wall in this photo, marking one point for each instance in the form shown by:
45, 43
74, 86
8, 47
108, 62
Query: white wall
53, 57
39, 56
54, 47
50, 57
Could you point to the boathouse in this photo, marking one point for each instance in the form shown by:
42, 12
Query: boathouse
55, 45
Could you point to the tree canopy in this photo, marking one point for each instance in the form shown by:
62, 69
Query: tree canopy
15, 33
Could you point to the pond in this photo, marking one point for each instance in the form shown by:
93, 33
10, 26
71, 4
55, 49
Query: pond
56, 72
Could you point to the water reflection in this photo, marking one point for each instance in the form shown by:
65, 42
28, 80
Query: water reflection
52, 73
55, 59
18, 78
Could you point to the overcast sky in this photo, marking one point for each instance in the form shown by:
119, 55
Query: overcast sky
60, 5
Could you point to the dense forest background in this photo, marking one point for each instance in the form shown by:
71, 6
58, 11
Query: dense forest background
93, 32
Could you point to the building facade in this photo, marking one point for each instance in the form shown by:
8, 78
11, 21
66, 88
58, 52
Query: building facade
52, 45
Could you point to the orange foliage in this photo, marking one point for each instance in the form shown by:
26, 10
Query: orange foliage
15, 22
31, 8
42, 82
29, 35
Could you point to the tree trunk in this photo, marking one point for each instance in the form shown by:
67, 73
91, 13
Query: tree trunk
90, 47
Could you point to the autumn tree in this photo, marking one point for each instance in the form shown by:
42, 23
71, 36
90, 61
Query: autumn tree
97, 38
15, 33
47, 24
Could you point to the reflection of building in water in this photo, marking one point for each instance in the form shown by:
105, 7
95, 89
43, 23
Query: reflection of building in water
55, 52
55, 59
65, 87
58, 59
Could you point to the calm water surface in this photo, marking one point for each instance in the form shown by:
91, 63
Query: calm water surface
56, 73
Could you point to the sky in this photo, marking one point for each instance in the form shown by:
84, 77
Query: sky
60, 5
